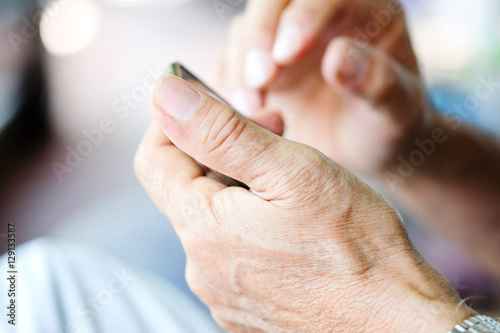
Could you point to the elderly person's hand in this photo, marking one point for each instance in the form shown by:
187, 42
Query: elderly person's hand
342, 72
310, 248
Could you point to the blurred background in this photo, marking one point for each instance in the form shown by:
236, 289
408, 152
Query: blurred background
74, 78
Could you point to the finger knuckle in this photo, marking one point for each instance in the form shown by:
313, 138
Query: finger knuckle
194, 283
148, 168
313, 161
223, 323
310, 171
222, 133
204, 294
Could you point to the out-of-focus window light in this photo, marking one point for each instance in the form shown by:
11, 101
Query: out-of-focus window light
452, 35
450, 54
70, 26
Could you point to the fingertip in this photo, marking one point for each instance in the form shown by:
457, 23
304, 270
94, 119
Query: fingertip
270, 120
345, 64
177, 98
288, 44
260, 68
372, 75
301, 25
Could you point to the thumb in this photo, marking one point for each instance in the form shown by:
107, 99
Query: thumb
220, 138
375, 77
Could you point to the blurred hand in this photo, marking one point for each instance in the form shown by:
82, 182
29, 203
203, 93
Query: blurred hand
343, 73
310, 248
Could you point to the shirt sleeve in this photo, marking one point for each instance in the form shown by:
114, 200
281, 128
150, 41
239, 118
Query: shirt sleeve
61, 287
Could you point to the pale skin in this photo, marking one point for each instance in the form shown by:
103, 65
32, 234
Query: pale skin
368, 120
311, 248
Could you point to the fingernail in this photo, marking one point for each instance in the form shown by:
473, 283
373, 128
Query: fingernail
353, 65
259, 68
246, 100
288, 42
176, 98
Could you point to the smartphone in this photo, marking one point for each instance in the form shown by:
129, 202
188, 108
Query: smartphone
179, 70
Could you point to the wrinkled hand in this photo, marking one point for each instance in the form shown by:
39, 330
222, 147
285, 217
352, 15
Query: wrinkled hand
309, 249
342, 72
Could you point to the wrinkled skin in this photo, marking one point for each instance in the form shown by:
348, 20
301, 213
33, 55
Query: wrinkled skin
309, 249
